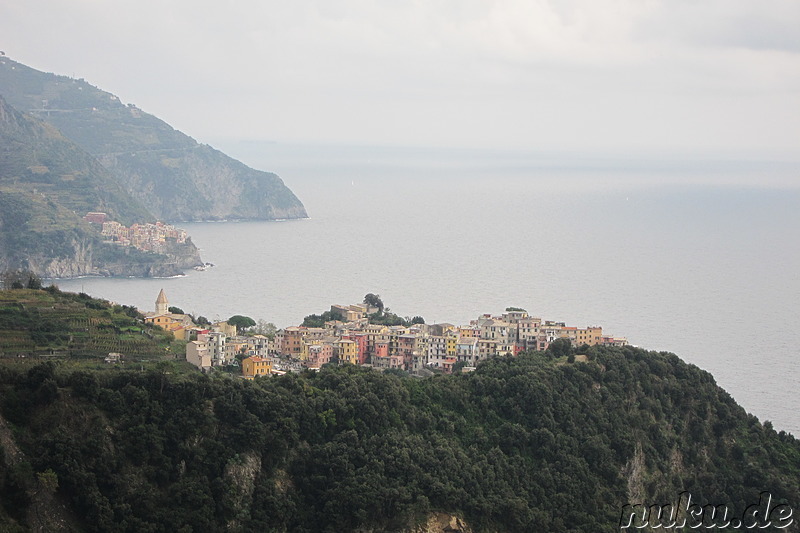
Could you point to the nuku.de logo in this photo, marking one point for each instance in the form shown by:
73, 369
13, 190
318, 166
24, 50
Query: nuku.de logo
685, 513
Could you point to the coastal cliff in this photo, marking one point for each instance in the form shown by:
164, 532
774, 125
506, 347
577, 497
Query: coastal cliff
47, 184
199, 183
85, 256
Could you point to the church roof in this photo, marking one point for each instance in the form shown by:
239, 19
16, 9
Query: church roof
162, 298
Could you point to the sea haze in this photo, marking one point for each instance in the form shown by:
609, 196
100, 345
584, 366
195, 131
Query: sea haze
694, 256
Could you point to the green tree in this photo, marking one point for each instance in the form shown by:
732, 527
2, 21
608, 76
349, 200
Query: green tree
48, 481
318, 321
313, 321
399, 372
417, 320
176, 310
374, 300
387, 319
560, 347
241, 322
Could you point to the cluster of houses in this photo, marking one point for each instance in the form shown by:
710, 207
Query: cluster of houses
422, 347
148, 237
417, 348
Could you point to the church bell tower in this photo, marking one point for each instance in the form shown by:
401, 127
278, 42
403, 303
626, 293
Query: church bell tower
162, 305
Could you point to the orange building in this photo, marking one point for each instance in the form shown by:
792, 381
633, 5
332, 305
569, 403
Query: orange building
256, 366
291, 340
591, 336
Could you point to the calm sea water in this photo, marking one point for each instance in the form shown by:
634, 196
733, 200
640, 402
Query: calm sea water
695, 257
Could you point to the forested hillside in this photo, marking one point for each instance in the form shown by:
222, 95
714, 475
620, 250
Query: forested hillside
532, 443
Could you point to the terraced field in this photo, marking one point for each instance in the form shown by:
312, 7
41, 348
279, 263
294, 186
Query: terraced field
51, 323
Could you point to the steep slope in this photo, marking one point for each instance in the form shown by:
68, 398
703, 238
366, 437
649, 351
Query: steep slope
521, 444
177, 178
48, 321
47, 183
35, 156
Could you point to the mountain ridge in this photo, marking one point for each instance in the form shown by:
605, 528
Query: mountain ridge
165, 169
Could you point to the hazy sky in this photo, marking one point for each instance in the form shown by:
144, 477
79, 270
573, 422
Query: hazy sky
618, 75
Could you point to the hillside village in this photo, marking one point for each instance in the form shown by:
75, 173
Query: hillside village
148, 237
416, 348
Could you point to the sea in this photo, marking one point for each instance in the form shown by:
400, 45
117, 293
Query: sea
693, 254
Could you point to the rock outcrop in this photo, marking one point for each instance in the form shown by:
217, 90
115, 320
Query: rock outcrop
442, 523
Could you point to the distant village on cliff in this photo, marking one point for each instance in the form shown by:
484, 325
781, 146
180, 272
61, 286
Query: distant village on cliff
148, 237
417, 348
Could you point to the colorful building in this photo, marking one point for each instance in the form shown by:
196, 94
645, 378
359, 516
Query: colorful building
256, 366
346, 351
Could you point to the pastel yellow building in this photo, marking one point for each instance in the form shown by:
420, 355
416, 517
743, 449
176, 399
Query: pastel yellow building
451, 343
591, 336
224, 327
347, 351
256, 366
175, 324
469, 331
179, 331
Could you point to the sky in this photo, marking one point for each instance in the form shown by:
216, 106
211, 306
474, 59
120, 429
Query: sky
692, 76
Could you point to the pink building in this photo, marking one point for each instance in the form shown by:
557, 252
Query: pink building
381, 349
319, 354
362, 343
